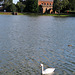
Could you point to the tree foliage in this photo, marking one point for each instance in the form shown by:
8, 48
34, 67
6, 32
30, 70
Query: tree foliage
57, 5
11, 8
1, 0
60, 5
65, 3
6, 4
20, 6
72, 4
32, 5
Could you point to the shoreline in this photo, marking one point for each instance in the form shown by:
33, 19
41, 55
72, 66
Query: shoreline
35, 14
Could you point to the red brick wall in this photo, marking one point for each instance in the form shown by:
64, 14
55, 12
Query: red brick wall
46, 5
45, 2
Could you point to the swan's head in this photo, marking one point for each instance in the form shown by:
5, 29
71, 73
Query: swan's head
41, 64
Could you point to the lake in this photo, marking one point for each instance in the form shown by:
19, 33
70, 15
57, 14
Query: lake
28, 41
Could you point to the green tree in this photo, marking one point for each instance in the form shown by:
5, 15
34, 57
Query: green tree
60, 5
10, 1
6, 4
11, 8
32, 5
5, 1
21, 0
54, 5
73, 5
40, 9
20, 6
1, 0
57, 5
65, 3
70, 4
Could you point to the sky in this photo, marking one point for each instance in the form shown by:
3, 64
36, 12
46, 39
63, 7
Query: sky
15, 1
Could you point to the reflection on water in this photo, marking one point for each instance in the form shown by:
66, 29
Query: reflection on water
27, 41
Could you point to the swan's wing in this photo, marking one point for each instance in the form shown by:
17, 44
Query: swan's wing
48, 70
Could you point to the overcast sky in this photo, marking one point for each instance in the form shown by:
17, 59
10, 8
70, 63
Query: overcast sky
15, 1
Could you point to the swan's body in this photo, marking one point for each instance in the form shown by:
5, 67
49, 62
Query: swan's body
48, 70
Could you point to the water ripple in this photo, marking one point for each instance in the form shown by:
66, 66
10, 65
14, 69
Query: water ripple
27, 41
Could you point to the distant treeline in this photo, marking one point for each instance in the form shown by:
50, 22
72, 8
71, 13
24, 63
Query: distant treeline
32, 5
63, 5
21, 6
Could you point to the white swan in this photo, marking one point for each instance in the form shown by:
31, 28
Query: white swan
48, 71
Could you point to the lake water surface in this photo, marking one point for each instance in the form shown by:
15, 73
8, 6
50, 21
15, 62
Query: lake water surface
27, 41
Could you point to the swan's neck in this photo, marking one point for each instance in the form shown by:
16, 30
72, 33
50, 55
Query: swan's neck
42, 69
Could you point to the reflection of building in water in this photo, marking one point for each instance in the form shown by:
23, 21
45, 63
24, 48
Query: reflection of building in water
47, 5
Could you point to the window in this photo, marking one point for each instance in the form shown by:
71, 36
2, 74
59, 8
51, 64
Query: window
47, 3
41, 3
44, 3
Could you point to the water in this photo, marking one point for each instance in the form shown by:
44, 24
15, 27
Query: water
27, 41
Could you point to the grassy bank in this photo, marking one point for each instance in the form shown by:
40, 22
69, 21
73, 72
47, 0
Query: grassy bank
61, 15
5, 13
10, 13
33, 14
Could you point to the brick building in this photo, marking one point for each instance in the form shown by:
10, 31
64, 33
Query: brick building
47, 5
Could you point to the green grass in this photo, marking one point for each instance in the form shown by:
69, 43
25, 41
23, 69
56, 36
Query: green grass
61, 15
5, 13
35, 14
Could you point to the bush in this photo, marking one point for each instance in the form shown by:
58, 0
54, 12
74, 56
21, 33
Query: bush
11, 8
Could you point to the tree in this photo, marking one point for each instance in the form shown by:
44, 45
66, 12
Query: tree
60, 5
57, 5
10, 1
11, 8
65, 3
20, 6
73, 5
40, 9
6, 4
32, 5
1, 0
21, 0
54, 5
